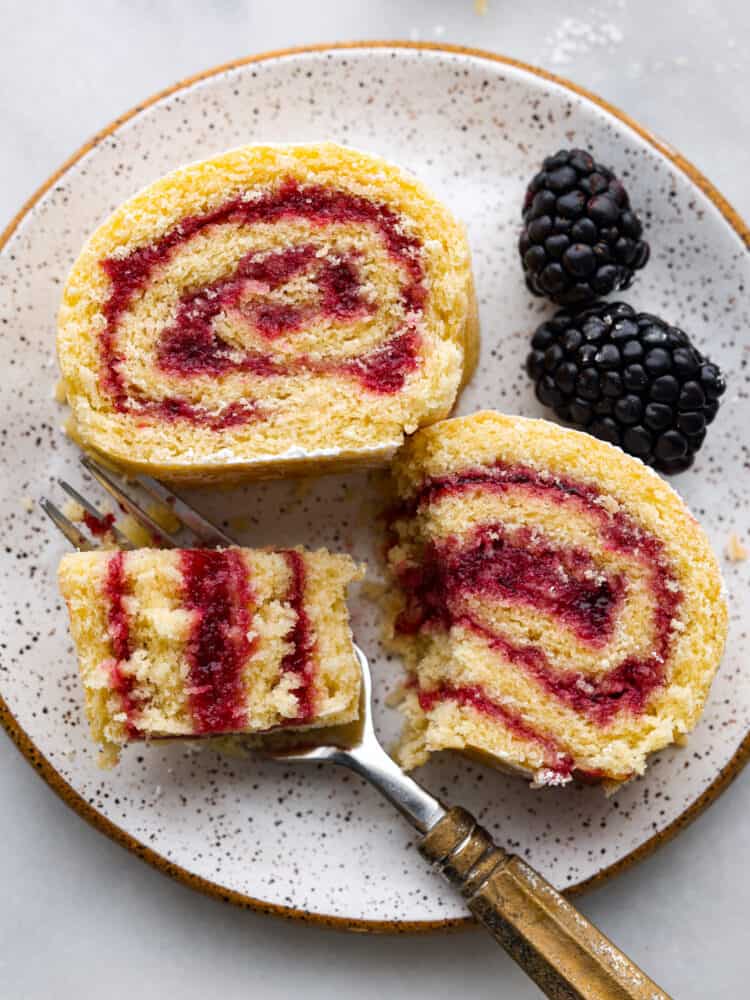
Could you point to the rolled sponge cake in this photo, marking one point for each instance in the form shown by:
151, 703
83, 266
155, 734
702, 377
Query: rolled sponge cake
198, 642
270, 310
559, 609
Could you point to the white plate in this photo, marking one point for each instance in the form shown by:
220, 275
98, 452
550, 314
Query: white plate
313, 843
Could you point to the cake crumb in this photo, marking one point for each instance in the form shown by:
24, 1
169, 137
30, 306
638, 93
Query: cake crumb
480, 7
109, 757
394, 697
100, 526
60, 393
546, 777
27, 503
609, 503
735, 551
73, 511
135, 532
164, 517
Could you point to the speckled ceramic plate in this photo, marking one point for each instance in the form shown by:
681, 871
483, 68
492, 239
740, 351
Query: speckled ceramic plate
313, 843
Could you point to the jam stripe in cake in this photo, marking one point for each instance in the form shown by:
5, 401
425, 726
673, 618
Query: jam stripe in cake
216, 588
556, 759
190, 347
625, 688
118, 624
299, 659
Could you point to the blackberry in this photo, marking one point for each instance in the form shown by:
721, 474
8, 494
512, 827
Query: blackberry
580, 238
628, 378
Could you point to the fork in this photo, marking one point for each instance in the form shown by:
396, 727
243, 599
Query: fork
566, 956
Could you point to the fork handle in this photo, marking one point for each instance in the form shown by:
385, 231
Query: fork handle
565, 955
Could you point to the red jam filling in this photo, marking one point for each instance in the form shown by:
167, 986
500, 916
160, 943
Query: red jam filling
515, 567
216, 588
98, 526
384, 369
174, 408
118, 626
492, 564
190, 347
299, 659
472, 695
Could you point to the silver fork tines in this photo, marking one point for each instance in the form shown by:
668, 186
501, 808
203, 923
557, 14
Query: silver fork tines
195, 529
122, 540
204, 530
71, 531
110, 483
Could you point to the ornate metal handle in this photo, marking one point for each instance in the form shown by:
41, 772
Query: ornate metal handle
565, 955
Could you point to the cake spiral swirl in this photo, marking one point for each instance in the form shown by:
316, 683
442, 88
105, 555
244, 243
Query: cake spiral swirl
559, 608
269, 306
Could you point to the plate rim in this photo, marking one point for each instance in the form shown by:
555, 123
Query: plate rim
88, 812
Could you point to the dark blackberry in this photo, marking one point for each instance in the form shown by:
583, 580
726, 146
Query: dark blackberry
628, 378
580, 238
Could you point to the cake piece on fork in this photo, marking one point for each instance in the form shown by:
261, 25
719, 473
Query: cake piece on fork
200, 642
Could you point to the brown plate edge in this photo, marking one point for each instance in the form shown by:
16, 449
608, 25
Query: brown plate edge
66, 792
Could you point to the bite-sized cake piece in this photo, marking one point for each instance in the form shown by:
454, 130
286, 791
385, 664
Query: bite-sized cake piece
559, 609
195, 642
271, 310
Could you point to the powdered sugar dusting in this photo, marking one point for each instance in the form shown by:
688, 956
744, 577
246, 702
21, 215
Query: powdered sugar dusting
574, 37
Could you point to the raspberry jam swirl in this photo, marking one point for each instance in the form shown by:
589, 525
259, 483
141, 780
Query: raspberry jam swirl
449, 582
253, 319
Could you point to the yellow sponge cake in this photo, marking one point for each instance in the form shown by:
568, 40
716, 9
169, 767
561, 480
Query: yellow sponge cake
197, 642
271, 310
559, 609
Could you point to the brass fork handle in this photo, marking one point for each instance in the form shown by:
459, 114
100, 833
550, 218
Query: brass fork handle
565, 955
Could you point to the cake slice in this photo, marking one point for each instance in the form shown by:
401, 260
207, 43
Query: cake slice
558, 608
272, 310
199, 642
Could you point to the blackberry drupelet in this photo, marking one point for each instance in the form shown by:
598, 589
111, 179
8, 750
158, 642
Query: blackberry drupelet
580, 238
628, 378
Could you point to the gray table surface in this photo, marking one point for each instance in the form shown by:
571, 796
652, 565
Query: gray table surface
80, 917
